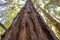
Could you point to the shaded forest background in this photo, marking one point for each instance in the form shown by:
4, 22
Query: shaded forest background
49, 10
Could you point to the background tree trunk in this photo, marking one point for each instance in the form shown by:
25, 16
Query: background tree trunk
54, 22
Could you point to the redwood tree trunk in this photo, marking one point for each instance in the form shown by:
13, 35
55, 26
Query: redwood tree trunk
29, 25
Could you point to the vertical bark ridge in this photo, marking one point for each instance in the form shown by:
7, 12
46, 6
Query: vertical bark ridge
32, 33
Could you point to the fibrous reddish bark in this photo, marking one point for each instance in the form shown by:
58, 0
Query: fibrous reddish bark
29, 25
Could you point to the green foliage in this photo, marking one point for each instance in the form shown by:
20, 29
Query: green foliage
11, 13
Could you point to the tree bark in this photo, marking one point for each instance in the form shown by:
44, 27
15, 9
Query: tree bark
29, 25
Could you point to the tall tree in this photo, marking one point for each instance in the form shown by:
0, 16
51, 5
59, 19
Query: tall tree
29, 25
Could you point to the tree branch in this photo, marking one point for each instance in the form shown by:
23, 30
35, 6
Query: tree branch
1, 25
